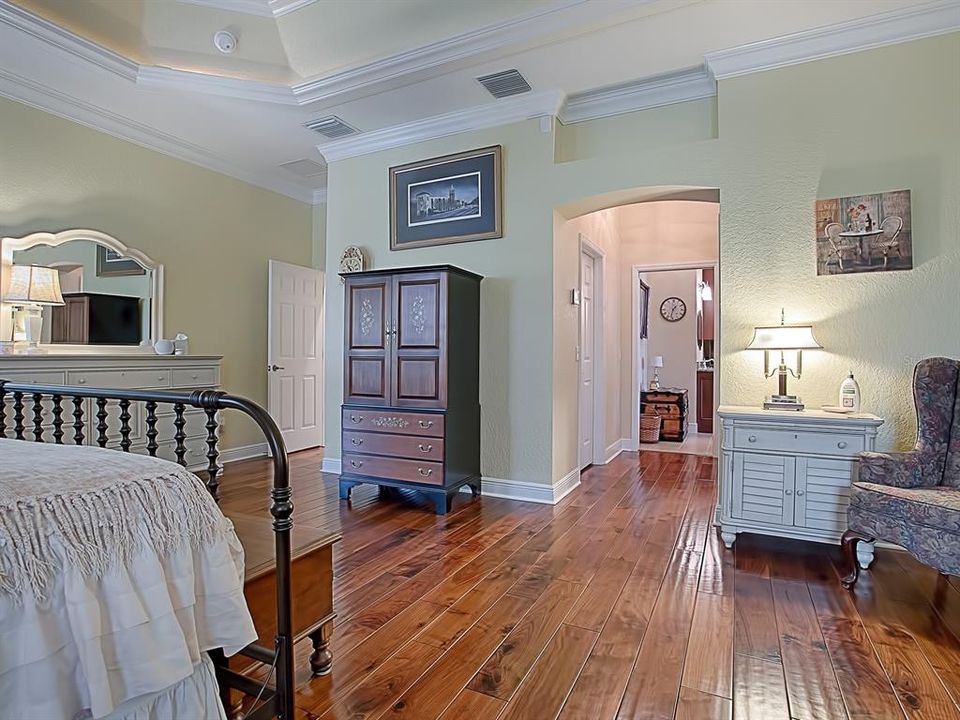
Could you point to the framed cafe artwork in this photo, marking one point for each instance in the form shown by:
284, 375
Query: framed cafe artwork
864, 233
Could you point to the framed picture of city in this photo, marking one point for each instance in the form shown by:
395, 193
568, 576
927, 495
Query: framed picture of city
449, 199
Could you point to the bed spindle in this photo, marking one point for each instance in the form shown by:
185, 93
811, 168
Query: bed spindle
179, 436
3, 411
58, 419
102, 422
77, 420
213, 469
37, 417
18, 415
151, 407
125, 425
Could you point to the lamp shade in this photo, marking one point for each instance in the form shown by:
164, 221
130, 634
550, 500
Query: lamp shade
784, 337
706, 293
658, 361
33, 285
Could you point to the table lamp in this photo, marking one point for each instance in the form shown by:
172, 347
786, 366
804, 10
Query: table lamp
657, 364
781, 338
30, 287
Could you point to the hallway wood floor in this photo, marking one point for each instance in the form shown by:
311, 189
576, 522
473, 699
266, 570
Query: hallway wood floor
619, 602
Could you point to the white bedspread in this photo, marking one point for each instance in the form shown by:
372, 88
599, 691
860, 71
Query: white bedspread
94, 632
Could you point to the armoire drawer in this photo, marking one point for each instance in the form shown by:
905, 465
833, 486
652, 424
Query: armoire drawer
428, 473
393, 421
120, 379
798, 441
400, 446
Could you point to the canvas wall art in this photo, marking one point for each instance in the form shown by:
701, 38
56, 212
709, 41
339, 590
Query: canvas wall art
455, 198
864, 233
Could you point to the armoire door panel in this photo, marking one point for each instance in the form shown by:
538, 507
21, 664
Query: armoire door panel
367, 312
418, 379
367, 377
418, 313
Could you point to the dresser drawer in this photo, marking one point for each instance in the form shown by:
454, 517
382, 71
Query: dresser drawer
120, 379
33, 377
194, 377
798, 441
428, 473
401, 446
393, 421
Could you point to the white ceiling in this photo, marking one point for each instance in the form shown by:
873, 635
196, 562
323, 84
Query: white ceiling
398, 70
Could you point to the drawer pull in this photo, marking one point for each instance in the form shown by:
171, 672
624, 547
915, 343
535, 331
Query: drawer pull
82, 381
356, 463
799, 492
752, 438
357, 441
788, 492
356, 419
425, 448
160, 378
425, 424
425, 472
842, 444
194, 376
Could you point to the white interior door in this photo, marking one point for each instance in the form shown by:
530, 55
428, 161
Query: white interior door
295, 353
588, 332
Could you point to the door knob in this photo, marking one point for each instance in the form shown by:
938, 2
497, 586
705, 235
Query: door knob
274, 368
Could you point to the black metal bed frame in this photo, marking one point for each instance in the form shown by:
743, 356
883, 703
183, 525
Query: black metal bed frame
277, 698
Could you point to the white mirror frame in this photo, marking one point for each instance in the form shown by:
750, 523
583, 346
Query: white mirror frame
9, 245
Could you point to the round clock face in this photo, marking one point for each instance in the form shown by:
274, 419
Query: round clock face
351, 260
673, 309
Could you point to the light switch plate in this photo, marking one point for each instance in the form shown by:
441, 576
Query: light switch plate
575, 297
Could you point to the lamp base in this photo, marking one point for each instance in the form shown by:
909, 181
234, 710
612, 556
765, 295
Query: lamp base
782, 402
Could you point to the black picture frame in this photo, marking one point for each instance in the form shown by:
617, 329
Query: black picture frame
110, 263
643, 303
448, 199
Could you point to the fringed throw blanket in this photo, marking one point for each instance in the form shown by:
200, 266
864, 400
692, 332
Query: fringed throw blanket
100, 506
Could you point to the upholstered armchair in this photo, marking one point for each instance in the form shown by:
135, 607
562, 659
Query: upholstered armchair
912, 499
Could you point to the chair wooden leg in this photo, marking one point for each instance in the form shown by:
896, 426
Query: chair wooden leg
848, 543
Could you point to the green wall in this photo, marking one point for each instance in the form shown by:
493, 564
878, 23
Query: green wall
213, 234
772, 143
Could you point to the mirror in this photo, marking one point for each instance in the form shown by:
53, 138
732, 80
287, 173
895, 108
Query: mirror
111, 293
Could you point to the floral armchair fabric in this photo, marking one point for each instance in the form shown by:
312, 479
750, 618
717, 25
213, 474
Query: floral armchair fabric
912, 498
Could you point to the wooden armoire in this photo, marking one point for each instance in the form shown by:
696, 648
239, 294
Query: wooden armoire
411, 382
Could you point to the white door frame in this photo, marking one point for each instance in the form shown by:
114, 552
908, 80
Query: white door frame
599, 406
635, 324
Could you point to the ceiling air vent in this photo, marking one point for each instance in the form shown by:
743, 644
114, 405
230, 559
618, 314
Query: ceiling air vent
331, 127
305, 168
504, 84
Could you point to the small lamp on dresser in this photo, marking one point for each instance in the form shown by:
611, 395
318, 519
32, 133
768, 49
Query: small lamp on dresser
657, 364
782, 338
29, 288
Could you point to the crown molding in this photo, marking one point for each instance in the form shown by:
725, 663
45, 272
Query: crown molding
668, 89
239, 88
558, 16
875, 31
62, 105
66, 41
319, 197
258, 8
501, 112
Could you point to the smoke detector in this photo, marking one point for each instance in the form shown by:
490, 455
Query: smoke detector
225, 41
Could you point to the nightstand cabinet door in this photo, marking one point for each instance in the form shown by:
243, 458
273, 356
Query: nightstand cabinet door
823, 493
763, 488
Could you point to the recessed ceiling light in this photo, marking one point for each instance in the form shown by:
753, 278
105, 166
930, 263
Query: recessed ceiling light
225, 41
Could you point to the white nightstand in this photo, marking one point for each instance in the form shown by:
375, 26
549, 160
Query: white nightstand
788, 473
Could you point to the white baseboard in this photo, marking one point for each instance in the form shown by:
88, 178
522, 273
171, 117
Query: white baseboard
330, 465
692, 428
614, 449
244, 452
628, 445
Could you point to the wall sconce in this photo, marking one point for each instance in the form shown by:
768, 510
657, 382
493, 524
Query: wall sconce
781, 338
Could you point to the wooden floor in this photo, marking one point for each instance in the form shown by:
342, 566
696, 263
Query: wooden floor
620, 602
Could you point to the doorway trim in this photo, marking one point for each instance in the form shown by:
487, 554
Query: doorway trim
599, 406
636, 370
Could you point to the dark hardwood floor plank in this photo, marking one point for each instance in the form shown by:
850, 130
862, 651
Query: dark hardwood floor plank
709, 660
470, 705
697, 705
759, 692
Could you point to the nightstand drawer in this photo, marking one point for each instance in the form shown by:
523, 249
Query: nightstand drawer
798, 441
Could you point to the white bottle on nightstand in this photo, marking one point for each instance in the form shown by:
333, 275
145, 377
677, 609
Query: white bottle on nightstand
850, 394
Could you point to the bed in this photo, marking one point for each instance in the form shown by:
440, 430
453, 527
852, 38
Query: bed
121, 582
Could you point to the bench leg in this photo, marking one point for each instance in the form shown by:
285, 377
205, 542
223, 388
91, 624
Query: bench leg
321, 659
848, 543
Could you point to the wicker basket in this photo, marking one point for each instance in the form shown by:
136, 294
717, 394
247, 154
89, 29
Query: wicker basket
649, 428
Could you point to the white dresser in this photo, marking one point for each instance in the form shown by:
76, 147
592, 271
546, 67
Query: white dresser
788, 473
130, 372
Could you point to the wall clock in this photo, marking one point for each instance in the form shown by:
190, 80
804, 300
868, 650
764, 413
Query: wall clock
673, 309
352, 260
